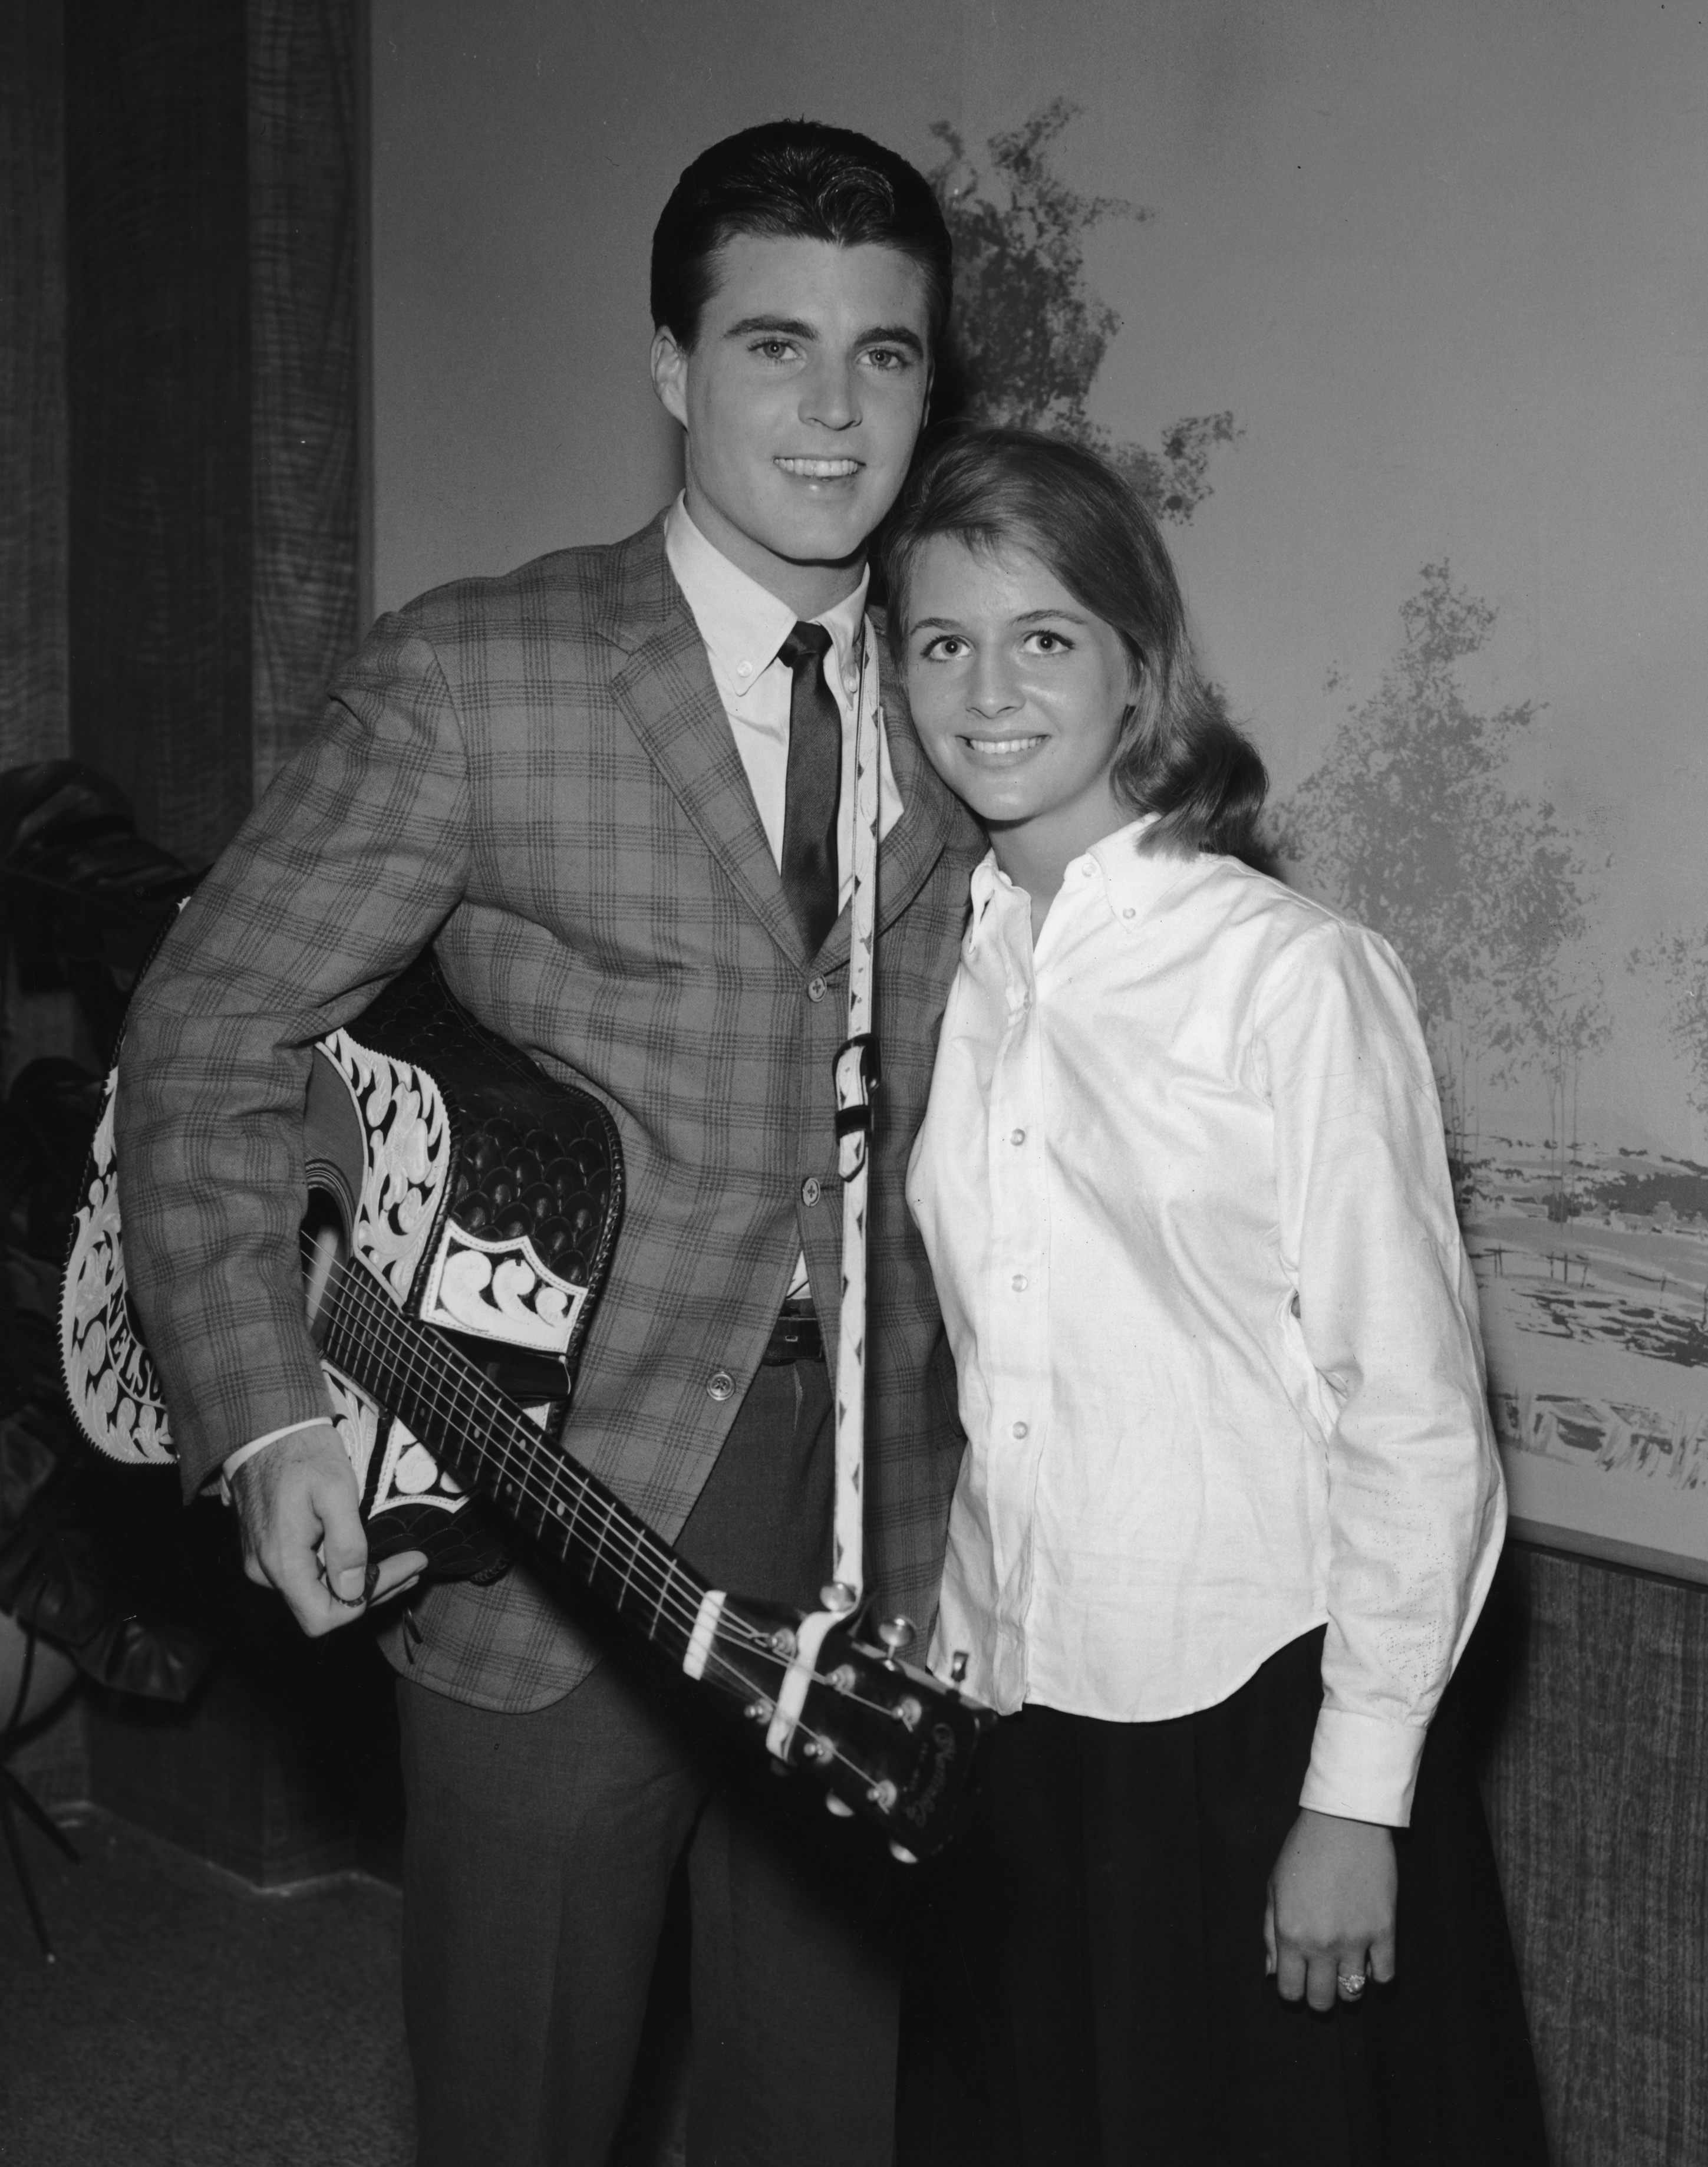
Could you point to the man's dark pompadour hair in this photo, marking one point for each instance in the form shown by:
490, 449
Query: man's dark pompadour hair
794, 180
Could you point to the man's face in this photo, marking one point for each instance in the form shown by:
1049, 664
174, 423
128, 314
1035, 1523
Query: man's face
802, 396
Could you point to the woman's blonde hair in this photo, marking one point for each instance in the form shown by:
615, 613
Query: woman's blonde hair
1179, 755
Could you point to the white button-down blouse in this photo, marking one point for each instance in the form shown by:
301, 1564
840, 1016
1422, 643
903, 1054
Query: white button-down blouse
1184, 1189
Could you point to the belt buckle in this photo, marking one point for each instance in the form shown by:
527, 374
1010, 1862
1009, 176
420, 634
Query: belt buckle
796, 1337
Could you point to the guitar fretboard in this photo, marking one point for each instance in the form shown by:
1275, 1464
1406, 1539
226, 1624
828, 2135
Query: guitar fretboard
492, 1448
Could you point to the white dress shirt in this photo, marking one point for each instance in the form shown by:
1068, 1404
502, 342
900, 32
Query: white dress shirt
1182, 1183
743, 625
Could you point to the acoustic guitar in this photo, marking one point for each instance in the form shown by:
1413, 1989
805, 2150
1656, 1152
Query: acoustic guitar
463, 1212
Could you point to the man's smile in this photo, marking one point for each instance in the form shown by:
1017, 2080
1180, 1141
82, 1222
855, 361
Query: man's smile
838, 469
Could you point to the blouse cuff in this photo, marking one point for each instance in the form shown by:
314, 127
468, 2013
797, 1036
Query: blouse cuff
1362, 1768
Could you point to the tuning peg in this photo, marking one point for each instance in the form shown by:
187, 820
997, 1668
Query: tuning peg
899, 1851
896, 1635
840, 1807
836, 1595
957, 1668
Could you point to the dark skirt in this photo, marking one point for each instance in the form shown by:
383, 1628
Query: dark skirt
1088, 1990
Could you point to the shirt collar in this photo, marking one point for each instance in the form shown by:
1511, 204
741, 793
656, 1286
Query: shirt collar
1133, 879
743, 624
1130, 876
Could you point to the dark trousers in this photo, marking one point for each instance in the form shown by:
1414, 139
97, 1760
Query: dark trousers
1091, 1992
538, 1855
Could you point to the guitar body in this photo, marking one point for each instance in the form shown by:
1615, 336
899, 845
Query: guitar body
483, 1195
462, 1210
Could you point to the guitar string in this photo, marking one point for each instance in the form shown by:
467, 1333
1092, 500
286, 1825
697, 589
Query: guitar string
469, 1396
476, 1395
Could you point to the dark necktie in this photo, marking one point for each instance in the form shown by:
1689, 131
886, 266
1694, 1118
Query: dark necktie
814, 791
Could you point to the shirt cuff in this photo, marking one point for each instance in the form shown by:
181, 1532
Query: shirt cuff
1362, 1768
244, 1452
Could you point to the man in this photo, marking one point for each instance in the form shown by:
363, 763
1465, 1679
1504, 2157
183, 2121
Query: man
614, 789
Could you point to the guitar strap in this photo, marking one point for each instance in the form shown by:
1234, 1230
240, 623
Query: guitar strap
856, 1088
856, 1084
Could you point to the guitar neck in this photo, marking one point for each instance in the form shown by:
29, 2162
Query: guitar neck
492, 1448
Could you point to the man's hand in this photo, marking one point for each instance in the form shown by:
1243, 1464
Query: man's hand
300, 1514
1330, 1910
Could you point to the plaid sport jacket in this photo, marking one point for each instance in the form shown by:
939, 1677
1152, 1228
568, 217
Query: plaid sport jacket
535, 774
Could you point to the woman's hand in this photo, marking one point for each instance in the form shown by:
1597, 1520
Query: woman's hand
1331, 1911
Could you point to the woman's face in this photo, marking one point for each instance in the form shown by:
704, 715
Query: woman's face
1019, 694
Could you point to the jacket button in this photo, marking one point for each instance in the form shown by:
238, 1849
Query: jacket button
809, 1191
719, 1384
816, 989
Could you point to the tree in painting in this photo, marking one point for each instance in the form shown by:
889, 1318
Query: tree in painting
1682, 960
1029, 335
1409, 826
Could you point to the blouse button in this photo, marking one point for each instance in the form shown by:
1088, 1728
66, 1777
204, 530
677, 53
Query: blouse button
1019, 1429
719, 1384
1129, 912
1019, 1282
1016, 1135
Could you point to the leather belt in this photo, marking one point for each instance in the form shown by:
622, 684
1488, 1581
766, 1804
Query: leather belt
795, 1337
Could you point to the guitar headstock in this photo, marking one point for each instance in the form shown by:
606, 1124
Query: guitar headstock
889, 1741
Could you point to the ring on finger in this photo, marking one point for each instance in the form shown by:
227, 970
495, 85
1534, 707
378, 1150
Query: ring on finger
1352, 1985
352, 1602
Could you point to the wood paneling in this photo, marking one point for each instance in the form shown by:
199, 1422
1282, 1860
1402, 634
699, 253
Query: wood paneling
1597, 1785
157, 343
33, 723
302, 362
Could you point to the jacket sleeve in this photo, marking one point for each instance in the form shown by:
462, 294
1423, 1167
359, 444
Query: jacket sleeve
345, 870
1388, 1310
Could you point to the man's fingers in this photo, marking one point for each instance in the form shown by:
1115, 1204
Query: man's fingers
344, 1540
1383, 1959
303, 1533
397, 1574
302, 1527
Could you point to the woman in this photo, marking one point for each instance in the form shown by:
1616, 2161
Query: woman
1230, 1504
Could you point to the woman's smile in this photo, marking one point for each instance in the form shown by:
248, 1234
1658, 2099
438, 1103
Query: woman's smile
999, 752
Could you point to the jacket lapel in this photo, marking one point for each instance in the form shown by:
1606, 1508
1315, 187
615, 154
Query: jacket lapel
665, 688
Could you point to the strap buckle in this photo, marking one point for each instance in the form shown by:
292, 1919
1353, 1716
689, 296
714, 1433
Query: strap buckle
858, 1078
